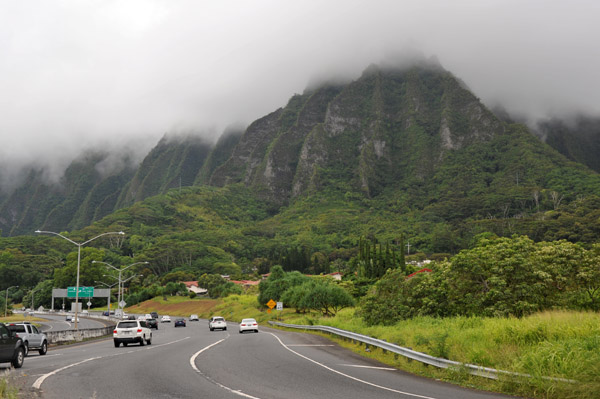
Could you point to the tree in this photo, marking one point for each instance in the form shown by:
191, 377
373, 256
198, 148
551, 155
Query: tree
277, 283
588, 278
88, 272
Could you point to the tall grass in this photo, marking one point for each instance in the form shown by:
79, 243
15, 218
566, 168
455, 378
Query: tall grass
6, 390
558, 344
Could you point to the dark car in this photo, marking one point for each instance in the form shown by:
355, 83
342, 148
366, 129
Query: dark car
154, 315
11, 347
152, 323
180, 322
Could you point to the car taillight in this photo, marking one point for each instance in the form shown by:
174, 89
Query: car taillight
139, 330
243, 325
114, 332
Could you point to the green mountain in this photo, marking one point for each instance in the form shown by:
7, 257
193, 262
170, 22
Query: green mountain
398, 152
83, 195
577, 139
173, 162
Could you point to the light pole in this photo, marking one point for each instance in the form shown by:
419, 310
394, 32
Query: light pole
32, 301
79, 245
109, 287
6, 303
120, 274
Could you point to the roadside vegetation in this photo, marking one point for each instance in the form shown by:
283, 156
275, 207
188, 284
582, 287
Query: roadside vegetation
7, 391
556, 343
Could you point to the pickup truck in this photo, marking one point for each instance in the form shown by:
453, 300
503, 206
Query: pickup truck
32, 338
11, 347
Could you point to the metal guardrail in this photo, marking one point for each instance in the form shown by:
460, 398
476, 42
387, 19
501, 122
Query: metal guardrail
481, 371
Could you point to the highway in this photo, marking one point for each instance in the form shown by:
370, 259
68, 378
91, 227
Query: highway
192, 362
58, 323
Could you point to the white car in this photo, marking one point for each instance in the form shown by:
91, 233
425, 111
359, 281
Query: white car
194, 317
217, 322
165, 319
132, 331
248, 325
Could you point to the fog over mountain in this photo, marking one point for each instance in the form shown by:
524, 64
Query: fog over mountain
119, 74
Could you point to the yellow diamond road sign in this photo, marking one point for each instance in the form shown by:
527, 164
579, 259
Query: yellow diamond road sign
271, 304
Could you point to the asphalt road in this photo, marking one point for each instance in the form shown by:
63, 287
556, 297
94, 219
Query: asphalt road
58, 323
192, 362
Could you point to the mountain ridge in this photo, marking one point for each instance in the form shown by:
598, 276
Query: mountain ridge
390, 130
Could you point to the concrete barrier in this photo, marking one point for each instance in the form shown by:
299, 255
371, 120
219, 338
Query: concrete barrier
55, 337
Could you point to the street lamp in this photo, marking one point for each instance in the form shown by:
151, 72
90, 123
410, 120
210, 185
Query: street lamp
32, 300
120, 274
6, 303
109, 287
79, 245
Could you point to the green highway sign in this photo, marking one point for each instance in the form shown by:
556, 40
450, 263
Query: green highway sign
86, 292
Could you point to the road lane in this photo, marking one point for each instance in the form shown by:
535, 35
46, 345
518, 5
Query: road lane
264, 367
268, 365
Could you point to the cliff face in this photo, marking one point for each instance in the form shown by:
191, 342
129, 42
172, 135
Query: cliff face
578, 139
415, 133
82, 195
173, 162
389, 127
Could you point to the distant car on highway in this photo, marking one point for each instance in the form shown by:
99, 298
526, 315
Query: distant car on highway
248, 325
217, 322
32, 338
165, 319
69, 318
194, 317
180, 322
132, 331
154, 315
11, 348
152, 323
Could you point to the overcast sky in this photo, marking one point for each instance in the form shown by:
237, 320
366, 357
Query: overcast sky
76, 74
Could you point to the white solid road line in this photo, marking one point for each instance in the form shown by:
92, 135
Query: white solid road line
38, 383
308, 345
349, 376
368, 367
193, 364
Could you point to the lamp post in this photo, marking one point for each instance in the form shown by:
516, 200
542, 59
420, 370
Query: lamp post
6, 303
32, 301
79, 245
120, 274
109, 287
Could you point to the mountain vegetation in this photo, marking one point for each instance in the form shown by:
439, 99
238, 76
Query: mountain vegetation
361, 178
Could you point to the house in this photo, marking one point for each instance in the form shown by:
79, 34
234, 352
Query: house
192, 286
246, 283
336, 276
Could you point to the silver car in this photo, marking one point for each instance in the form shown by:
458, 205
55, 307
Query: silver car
31, 336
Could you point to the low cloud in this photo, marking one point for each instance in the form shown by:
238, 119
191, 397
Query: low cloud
78, 75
